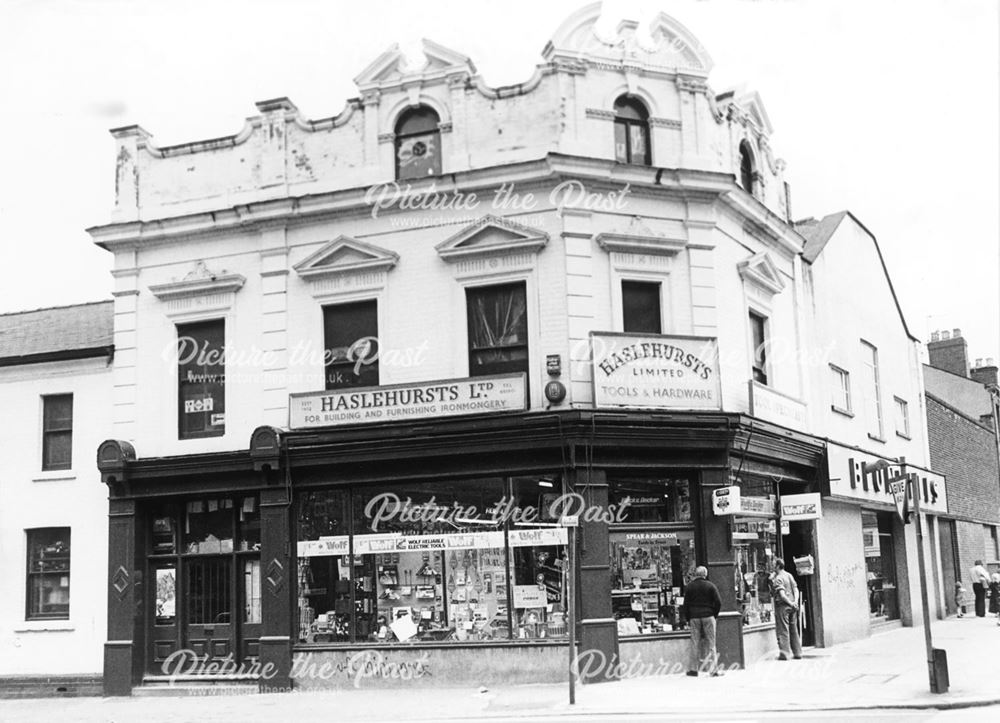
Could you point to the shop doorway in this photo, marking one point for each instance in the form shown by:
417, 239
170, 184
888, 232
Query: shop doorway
949, 563
204, 605
798, 544
880, 565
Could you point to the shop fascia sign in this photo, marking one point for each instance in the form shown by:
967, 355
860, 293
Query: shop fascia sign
406, 402
772, 406
864, 477
807, 506
655, 371
730, 501
386, 542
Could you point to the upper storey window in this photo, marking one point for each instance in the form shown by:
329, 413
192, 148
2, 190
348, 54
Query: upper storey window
418, 144
631, 131
747, 170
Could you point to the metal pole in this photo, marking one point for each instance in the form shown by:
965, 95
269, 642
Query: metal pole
931, 672
571, 612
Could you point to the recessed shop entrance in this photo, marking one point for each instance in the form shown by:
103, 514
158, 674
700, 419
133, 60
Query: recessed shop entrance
205, 591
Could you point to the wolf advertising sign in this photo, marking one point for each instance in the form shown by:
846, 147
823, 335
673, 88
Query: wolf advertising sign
655, 371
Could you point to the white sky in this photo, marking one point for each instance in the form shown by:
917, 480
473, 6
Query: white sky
888, 108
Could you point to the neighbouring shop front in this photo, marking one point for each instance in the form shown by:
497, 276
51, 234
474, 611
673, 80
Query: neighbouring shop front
868, 576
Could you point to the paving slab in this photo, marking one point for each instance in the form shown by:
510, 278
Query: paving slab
885, 671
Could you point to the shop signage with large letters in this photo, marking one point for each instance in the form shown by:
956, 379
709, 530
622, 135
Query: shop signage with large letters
860, 476
449, 398
655, 371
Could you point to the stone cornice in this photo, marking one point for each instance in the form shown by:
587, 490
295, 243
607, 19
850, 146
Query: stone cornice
639, 244
200, 282
687, 184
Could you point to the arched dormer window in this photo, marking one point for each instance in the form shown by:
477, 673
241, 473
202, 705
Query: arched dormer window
747, 170
631, 131
418, 143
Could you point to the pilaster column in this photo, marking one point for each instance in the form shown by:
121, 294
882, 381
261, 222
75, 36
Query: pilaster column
278, 571
123, 651
598, 630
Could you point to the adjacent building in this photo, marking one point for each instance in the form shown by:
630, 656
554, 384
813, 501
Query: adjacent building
55, 385
962, 404
865, 400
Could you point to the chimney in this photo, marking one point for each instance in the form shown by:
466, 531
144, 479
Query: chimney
985, 374
949, 353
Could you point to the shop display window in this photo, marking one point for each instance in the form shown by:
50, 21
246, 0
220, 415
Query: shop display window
442, 562
208, 526
659, 499
880, 565
755, 544
649, 572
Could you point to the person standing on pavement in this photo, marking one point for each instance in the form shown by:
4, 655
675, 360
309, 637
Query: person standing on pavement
980, 581
995, 595
786, 611
701, 607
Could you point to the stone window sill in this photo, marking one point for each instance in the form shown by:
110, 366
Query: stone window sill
845, 412
45, 626
62, 475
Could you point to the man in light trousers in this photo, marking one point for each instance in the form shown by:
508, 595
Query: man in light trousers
786, 611
701, 607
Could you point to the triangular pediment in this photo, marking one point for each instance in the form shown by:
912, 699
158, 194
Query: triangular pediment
491, 235
752, 104
760, 269
345, 255
393, 64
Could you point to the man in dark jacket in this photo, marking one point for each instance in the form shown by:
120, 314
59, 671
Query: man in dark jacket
701, 608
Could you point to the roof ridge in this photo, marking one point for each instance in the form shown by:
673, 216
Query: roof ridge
53, 308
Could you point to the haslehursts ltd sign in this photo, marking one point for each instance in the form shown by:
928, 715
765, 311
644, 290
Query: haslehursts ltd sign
655, 371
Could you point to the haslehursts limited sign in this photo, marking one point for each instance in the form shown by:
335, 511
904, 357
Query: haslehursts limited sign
655, 371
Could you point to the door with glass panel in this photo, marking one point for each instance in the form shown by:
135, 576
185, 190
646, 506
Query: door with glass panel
206, 593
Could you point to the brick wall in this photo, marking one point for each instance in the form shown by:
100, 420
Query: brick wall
951, 355
966, 452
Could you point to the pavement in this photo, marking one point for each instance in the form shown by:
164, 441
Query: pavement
885, 671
